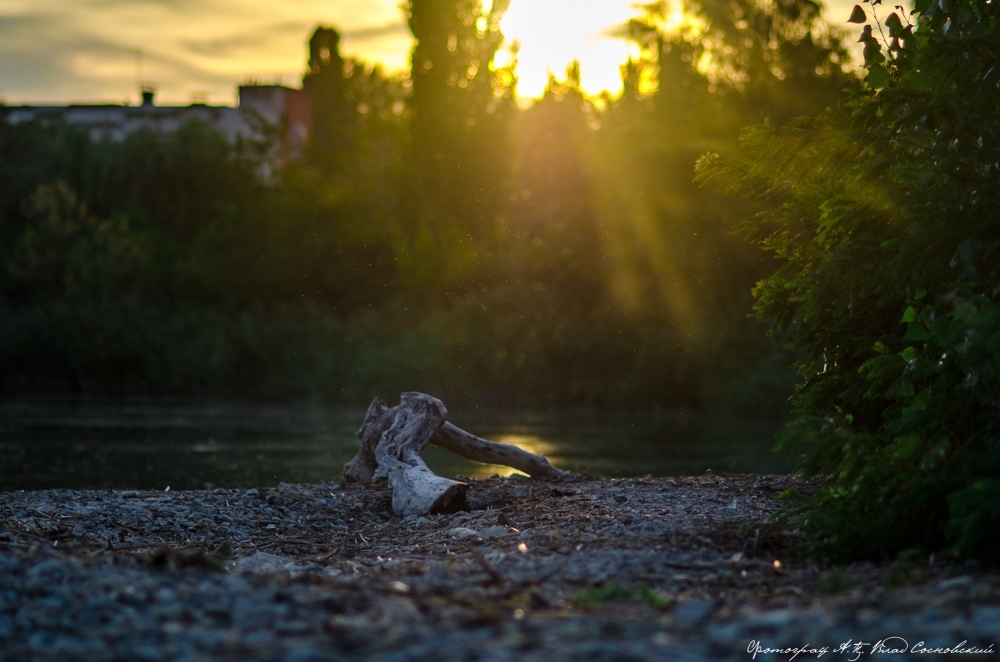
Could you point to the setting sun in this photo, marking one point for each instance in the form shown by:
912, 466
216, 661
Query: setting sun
54, 52
553, 33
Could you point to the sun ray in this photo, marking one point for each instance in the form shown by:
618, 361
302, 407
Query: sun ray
551, 34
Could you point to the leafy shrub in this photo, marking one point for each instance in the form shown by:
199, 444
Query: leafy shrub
884, 215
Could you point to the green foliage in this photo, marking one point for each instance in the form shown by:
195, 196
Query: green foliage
597, 596
593, 596
334, 117
64, 250
883, 216
457, 158
139, 347
434, 236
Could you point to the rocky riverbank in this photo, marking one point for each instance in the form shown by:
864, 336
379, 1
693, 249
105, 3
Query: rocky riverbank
572, 569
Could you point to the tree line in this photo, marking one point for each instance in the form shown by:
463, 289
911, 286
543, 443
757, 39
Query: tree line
438, 235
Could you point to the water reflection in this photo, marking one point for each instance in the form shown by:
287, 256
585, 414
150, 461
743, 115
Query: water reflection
155, 445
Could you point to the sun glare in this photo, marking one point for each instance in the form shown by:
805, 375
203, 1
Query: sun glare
551, 34
529, 442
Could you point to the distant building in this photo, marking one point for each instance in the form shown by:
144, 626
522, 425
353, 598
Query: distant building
261, 110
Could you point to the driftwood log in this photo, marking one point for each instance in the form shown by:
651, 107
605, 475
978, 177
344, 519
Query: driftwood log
392, 439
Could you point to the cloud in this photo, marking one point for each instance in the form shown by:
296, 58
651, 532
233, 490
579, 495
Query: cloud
396, 29
56, 51
240, 42
38, 57
172, 5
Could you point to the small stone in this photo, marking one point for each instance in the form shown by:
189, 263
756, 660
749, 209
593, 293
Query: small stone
692, 613
305, 654
724, 634
772, 620
494, 532
986, 618
953, 582
461, 533
45, 576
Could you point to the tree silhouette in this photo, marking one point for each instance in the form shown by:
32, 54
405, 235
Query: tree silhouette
458, 157
334, 117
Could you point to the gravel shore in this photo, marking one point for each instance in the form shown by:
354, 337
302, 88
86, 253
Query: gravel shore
575, 569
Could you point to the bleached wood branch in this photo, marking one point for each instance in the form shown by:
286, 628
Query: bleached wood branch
392, 439
475, 448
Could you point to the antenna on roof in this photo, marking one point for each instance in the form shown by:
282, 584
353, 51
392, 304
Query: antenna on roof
138, 72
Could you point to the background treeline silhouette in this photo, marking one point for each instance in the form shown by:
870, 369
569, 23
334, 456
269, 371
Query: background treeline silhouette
437, 235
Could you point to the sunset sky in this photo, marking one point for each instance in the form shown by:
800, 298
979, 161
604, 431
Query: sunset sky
87, 51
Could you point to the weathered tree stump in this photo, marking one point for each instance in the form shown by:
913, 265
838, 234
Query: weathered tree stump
392, 439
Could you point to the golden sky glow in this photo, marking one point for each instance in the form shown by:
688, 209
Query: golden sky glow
59, 51
553, 33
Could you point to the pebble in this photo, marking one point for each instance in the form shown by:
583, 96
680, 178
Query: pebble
336, 579
691, 613
462, 532
494, 532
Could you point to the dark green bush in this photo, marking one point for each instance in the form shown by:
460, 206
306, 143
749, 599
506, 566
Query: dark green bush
885, 217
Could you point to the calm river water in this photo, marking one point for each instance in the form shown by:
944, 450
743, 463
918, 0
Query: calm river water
155, 445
